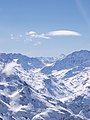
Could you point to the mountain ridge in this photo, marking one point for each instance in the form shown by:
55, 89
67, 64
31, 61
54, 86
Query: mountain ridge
28, 93
78, 58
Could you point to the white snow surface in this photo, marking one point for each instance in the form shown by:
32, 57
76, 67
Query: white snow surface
31, 94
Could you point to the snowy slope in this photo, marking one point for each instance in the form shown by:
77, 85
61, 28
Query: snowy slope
47, 60
30, 94
50, 60
78, 58
24, 61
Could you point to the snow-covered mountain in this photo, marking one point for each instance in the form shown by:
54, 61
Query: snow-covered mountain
29, 90
47, 60
78, 58
50, 60
24, 61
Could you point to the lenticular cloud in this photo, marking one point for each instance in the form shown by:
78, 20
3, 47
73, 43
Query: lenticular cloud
63, 33
34, 35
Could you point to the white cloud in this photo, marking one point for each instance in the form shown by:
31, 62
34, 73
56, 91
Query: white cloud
63, 33
12, 36
34, 35
16, 37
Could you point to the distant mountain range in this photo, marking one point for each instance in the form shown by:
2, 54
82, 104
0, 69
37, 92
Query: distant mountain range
45, 88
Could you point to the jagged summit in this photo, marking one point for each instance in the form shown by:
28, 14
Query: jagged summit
24, 61
78, 58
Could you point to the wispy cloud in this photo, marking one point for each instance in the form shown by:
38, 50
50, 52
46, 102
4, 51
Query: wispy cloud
11, 36
16, 37
37, 43
34, 35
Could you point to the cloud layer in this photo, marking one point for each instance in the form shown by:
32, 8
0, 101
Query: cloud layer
34, 35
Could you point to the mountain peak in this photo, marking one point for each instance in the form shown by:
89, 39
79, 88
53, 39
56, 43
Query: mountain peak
78, 58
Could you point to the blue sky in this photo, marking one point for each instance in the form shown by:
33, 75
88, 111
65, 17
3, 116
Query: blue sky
44, 27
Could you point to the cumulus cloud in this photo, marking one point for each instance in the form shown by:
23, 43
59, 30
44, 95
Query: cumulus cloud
34, 35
